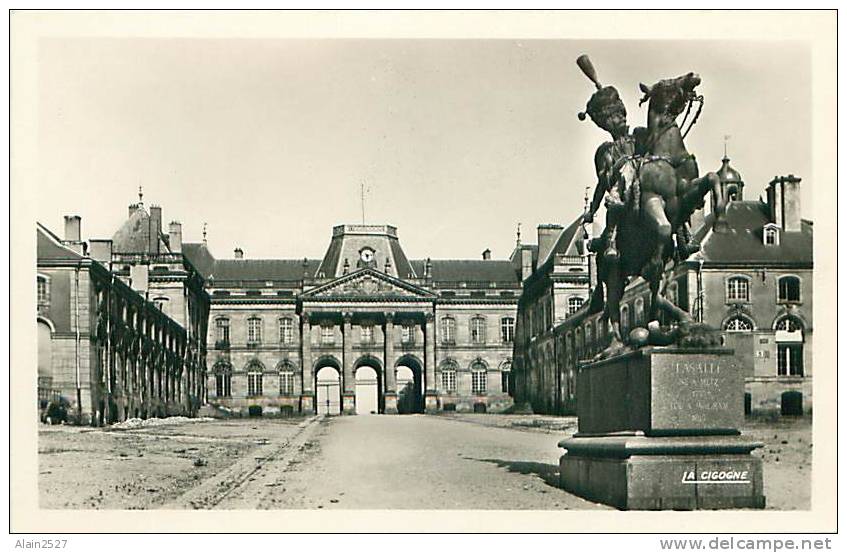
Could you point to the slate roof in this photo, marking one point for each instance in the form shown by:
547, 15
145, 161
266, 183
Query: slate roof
263, 269
50, 248
742, 242
199, 256
452, 270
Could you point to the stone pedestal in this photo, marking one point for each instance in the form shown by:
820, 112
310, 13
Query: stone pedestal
348, 403
307, 404
658, 429
431, 402
391, 403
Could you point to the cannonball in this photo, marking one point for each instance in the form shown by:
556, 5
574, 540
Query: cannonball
639, 336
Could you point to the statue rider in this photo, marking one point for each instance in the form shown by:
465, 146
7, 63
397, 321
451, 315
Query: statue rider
616, 168
608, 112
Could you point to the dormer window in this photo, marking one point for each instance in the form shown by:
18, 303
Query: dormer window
771, 235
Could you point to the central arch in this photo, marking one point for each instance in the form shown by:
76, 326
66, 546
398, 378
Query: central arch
328, 386
410, 398
368, 386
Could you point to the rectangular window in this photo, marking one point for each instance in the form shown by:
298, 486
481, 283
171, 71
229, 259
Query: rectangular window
738, 289
254, 330
223, 385
407, 333
448, 330
42, 291
327, 335
254, 384
789, 360
448, 380
504, 381
478, 330
367, 334
507, 330
479, 382
286, 331
222, 330
286, 383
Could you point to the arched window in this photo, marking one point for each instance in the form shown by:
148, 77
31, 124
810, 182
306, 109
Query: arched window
507, 330
789, 324
789, 346
624, 319
505, 371
223, 380
286, 331
574, 303
448, 378
254, 380
478, 330
286, 380
479, 378
738, 323
771, 236
254, 331
789, 289
738, 289
579, 343
589, 337
448, 330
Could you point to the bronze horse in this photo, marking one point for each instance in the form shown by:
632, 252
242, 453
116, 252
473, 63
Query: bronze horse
669, 192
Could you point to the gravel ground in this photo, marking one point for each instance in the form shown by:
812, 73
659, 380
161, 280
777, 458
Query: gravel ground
452, 461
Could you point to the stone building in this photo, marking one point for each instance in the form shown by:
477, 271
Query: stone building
752, 279
103, 347
362, 330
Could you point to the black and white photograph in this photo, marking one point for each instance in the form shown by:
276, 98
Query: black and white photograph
354, 264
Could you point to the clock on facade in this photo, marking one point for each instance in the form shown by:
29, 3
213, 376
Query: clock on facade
366, 257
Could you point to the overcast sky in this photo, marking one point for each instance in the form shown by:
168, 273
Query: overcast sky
457, 141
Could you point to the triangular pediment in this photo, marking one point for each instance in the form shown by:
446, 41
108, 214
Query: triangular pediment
368, 284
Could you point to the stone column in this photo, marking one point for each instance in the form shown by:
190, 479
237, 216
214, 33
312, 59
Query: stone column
390, 375
348, 400
431, 398
307, 395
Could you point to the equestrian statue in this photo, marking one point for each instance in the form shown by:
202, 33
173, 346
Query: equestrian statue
650, 186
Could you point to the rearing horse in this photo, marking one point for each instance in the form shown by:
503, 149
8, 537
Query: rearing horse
670, 190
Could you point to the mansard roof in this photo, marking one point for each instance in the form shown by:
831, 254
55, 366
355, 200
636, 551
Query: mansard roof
566, 243
742, 243
263, 269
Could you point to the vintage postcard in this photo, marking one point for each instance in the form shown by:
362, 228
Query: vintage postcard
558, 269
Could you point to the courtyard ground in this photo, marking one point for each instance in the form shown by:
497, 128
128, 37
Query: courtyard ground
451, 461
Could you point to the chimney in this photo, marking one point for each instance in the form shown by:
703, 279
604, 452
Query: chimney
73, 226
138, 277
486, 255
547, 235
132, 209
784, 202
101, 251
239, 253
155, 227
526, 263
428, 268
175, 236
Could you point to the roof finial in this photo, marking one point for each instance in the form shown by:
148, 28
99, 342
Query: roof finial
140, 195
726, 138
204, 233
518, 234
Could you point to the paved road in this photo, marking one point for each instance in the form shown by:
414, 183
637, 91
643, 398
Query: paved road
409, 462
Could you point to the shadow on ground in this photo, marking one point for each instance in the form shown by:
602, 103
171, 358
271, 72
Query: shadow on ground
548, 473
